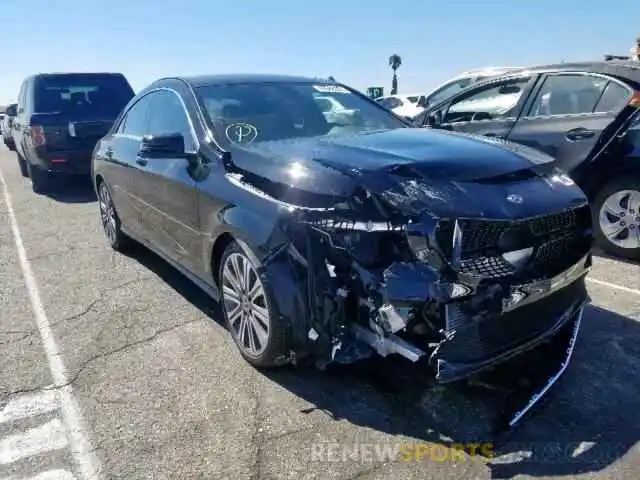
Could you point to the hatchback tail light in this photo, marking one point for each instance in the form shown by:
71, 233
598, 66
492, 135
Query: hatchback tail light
37, 136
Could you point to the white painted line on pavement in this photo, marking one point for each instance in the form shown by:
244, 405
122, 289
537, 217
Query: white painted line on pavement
614, 286
30, 406
53, 475
83, 454
47, 437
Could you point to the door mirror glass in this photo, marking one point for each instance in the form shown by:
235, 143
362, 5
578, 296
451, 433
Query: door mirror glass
170, 145
11, 111
434, 118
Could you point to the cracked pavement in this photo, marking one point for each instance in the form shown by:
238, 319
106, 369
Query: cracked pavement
166, 395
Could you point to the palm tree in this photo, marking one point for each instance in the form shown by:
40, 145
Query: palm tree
394, 62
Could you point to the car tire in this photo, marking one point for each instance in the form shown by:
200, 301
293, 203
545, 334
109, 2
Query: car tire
256, 328
40, 182
22, 164
110, 220
612, 230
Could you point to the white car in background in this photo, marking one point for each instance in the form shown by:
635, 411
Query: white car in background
403, 105
412, 105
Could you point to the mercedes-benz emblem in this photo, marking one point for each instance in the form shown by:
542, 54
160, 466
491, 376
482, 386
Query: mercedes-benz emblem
241, 133
513, 198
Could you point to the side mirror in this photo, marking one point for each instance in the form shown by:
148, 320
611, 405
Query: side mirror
11, 111
411, 120
434, 118
170, 145
423, 102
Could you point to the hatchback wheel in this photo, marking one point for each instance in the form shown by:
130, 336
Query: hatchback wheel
616, 211
247, 308
109, 219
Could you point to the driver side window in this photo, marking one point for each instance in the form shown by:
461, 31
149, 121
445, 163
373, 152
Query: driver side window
492, 102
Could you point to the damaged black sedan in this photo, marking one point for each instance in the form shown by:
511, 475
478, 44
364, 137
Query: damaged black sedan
343, 232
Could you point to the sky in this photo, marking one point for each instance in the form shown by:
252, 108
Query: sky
348, 39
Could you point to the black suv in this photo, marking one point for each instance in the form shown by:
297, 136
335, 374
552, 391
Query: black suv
60, 117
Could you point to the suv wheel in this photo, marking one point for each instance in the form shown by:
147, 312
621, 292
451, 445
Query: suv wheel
110, 220
40, 182
258, 332
23, 165
616, 212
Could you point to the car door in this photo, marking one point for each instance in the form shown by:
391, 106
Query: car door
568, 113
123, 175
170, 191
491, 109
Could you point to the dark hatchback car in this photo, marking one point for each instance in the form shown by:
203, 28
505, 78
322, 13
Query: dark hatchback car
6, 126
60, 118
338, 237
585, 115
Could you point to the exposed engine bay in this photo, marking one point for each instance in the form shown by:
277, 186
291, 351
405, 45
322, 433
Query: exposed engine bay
381, 273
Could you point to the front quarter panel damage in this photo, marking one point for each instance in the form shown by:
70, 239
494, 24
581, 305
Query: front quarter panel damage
379, 272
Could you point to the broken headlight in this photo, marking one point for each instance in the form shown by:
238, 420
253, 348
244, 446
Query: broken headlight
370, 243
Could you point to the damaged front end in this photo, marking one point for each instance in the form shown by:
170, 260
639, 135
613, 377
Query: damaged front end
445, 288
378, 275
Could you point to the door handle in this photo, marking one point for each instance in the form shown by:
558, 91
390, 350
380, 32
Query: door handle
493, 135
141, 161
579, 134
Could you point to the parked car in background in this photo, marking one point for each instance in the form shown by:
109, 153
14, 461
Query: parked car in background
403, 105
585, 115
60, 117
6, 126
412, 105
336, 241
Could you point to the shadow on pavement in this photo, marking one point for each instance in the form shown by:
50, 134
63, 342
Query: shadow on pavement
601, 254
72, 190
586, 426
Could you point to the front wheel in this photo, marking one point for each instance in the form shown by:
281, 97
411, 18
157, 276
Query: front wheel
110, 220
248, 310
616, 212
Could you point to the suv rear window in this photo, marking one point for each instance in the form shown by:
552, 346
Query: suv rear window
83, 94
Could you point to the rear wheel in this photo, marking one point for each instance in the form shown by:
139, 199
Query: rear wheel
616, 211
23, 165
256, 329
110, 220
40, 181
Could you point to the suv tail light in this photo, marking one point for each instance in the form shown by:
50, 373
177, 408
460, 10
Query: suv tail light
37, 136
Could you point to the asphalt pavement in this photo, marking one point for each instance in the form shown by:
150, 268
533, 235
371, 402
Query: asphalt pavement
116, 367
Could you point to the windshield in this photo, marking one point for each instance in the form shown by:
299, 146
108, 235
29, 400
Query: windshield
449, 90
83, 94
246, 113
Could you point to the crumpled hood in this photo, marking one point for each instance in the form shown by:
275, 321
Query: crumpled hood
414, 170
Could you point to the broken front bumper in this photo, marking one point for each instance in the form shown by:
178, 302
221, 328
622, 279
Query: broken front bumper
477, 338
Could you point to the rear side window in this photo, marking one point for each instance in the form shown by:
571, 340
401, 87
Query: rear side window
568, 95
85, 95
615, 97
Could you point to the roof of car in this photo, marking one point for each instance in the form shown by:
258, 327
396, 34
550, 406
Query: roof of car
202, 80
626, 69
